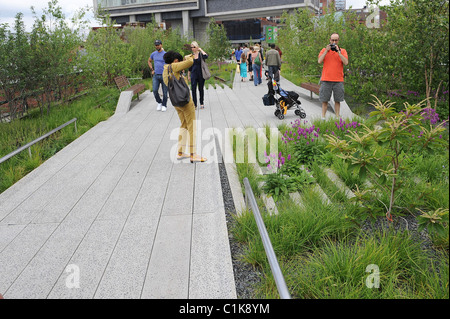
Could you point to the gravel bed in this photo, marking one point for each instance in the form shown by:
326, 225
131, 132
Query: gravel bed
406, 223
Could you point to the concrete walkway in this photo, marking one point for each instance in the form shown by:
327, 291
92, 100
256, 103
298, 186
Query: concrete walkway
113, 215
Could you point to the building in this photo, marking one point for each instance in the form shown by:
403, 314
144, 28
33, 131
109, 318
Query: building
324, 5
376, 17
340, 5
193, 16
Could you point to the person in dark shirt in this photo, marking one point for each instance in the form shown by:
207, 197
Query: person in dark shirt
196, 75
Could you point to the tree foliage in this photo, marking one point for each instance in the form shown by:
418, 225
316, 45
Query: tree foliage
40, 63
407, 56
218, 44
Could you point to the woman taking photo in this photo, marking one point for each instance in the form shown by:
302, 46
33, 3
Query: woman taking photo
186, 112
196, 74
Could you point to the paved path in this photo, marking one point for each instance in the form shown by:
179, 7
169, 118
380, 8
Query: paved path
112, 215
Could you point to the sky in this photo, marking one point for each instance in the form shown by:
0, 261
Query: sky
9, 9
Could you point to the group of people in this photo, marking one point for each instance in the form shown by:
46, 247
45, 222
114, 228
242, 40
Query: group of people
332, 57
194, 75
250, 60
186, 113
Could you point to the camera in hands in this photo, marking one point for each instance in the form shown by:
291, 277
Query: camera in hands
333, 47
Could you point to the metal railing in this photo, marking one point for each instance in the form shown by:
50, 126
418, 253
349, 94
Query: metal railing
27, 146
270, 253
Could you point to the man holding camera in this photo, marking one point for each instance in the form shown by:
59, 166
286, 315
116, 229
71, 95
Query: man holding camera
332, 81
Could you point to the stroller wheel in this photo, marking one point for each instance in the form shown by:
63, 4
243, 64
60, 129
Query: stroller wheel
281, 116
277, 113
297, 112
302, 115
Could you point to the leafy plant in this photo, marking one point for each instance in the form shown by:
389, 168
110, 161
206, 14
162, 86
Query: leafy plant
278, 186
380, 153
286, 176
436, 222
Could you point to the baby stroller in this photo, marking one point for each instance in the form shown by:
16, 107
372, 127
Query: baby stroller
284, 100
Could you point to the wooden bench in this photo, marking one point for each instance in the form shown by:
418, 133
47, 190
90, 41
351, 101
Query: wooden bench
312, 87
122, 82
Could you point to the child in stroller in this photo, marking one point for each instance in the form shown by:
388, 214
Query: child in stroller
285, 101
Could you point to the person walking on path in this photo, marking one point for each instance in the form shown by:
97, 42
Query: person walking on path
332, 80
273, 62
243, 67
256, 65
245, 50
238, 54
279, 50
249, 62
261, 52
186, 112
196, 74
158, 58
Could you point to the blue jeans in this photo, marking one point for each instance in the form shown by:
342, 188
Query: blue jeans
157, 80
273, 69
257, 74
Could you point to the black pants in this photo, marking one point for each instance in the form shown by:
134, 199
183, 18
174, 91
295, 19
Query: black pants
201, 86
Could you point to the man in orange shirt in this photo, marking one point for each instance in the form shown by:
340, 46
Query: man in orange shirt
332, 81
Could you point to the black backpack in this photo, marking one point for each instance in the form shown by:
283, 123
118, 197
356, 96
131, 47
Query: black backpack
179, 92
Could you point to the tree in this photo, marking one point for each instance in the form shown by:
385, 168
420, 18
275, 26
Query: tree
420, 32
218, 46
14, 70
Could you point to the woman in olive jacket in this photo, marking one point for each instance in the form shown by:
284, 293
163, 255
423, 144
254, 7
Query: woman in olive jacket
186, 112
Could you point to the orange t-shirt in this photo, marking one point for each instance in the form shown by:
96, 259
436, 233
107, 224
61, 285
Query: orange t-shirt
333, 68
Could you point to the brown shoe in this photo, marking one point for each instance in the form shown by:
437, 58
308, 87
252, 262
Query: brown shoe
182, 156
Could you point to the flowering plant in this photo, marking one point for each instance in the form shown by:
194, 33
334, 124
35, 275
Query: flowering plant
303, 141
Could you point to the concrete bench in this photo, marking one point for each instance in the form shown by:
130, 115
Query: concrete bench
122, 82
312, 87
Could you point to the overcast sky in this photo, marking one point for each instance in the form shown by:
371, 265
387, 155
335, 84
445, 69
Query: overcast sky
9, 9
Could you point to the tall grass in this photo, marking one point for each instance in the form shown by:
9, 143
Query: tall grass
324, 251
89, 110
339, 270
294, 230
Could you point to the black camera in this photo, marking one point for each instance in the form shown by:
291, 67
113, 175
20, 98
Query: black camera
333, 47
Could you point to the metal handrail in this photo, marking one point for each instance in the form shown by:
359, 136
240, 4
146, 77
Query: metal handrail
22, 148
270, 253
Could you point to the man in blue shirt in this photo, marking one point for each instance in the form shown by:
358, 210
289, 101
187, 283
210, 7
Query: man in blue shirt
158, 57
238, 54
